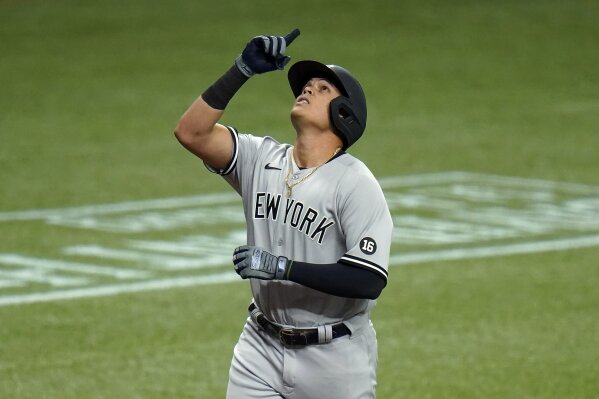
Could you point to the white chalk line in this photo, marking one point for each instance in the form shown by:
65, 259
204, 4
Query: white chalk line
221, 197
77, 267
468, 177
395, 260
114, 289
121, 207
563, 244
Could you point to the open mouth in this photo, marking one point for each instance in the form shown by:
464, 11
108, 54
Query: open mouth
302, 100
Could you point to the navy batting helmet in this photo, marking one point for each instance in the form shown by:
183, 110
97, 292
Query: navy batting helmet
348, 111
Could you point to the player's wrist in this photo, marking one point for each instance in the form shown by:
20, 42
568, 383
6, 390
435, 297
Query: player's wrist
283, 268
243, 67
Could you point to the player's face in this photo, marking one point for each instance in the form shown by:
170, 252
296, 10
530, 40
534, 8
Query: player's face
313, 102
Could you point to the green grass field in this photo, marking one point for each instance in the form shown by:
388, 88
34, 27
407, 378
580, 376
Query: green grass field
90, 93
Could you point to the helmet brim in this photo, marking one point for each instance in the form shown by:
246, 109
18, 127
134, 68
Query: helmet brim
302, 71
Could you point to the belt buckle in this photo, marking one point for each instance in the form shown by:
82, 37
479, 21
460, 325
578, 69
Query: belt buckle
289, 337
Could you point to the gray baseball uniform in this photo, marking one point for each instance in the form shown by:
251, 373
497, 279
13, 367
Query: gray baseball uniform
336, 213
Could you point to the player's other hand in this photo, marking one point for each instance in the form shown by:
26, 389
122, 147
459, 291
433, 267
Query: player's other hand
265, 53
254, 262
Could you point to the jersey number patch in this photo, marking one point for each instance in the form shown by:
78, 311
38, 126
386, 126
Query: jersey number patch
368, 245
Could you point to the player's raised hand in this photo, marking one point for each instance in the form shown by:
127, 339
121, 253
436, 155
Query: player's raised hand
254, 262
265, 53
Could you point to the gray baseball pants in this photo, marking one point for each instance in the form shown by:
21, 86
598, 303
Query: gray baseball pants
263, 368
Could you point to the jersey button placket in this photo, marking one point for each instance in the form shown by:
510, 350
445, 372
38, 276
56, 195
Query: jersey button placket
279, 234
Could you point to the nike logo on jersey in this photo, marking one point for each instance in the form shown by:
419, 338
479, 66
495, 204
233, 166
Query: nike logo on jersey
269, 166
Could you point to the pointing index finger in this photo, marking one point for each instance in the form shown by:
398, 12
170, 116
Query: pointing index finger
290, 37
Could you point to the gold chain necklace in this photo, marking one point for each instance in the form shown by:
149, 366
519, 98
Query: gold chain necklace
291, 185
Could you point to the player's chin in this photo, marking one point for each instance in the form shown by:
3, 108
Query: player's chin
296, 107
296, 111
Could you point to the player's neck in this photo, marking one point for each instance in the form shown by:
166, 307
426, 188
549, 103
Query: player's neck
312, 151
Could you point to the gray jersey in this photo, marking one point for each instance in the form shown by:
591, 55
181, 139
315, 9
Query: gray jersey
339, 213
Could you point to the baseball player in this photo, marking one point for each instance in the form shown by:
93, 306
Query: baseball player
318, 230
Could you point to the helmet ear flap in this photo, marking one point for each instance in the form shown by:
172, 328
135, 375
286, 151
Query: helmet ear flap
344, 121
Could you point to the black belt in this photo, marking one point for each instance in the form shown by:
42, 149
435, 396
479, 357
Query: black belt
296, 336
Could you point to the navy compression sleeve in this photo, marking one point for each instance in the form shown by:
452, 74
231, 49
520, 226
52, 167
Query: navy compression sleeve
338, 279
222, 91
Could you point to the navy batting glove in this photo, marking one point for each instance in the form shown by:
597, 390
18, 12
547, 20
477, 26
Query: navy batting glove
265, 53
254, 262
